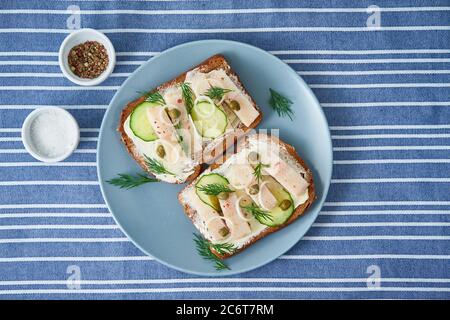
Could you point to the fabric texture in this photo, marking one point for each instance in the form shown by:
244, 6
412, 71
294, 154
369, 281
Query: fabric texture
381, 74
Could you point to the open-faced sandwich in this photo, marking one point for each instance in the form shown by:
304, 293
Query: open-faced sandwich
255, 191
187, 121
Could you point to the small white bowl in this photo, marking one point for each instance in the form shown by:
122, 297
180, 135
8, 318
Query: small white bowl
76, 38
70, 125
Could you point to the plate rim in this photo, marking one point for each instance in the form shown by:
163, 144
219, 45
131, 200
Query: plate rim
101, 181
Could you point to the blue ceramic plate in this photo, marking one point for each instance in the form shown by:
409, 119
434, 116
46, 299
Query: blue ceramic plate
151, 215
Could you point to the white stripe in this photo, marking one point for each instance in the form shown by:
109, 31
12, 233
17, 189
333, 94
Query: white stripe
223, 11
33, 106
45, 164
225, 289
236, 30
53, 205
28, 63
55, 215
221, 280
80, 259
291, 61
285, 257
58, 88
369, 72
392, 127
63, 240
383, 212
373, 237
384, 148
307, 238
391, 180
381, 224
276, 52
325, 225
20, 129
302, 73
27, 53
360, 52
25, 151
390, 161
388, 203
391, 136
19, 139
314, 86
51, 75
379, 85
365, 256
59, 226
387, 104
368, 61
48, 183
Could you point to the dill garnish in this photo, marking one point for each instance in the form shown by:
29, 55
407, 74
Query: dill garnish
188, 96
155, 166
213, 189
127, 181
257, 171
155, 97
216, 93
204, 250
281, 104
258, 213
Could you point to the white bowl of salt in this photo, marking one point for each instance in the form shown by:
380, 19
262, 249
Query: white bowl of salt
50, 134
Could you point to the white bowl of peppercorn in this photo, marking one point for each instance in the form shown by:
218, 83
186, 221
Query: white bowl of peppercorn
87, 57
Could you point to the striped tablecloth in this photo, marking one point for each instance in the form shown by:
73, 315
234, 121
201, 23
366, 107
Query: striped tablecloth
382, 76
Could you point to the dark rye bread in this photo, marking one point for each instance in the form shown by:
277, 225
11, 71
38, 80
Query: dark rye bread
191, 212
214, 62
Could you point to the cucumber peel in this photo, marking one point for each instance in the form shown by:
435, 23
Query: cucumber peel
139, 123
210, 121
206, 179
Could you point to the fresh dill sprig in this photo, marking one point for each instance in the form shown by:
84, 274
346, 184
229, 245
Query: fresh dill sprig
155, 97
155, 166
257, 171
213, 189
258, 212
281, 104
216, 93
128, 181
188, 96
204, 250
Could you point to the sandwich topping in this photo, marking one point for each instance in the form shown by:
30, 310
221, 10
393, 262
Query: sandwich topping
175, 126
254, 189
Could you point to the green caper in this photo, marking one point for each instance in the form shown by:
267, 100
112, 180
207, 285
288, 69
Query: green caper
224, 231
160, 151
223, 196
253, 157
244, 202
285, 204
254, 189
234, 105
174, 114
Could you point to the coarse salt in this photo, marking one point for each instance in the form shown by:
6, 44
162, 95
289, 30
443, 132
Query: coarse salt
52, 134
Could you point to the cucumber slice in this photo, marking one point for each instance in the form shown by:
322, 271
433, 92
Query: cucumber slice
209, 120
211, 178
139, 123
279, 216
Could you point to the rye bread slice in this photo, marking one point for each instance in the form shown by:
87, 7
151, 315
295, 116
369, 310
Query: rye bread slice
217, 146
301, 209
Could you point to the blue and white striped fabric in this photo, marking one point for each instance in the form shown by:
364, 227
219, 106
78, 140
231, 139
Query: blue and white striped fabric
385, 92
